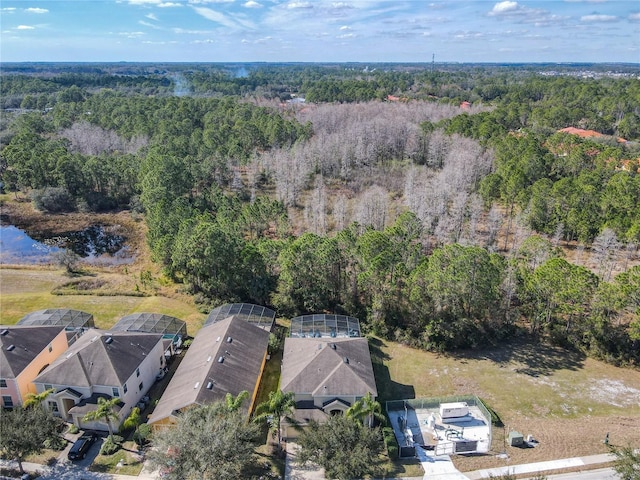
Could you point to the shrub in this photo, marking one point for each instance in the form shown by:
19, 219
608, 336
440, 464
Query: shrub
55, 443
111, 445
390, 442
142, 434
53, 200
73, 429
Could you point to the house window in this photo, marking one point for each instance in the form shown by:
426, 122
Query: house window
3, 383
48, 387
137, 372
7, 401
140, 386
53, 406
124, 387
115, 391
50, 348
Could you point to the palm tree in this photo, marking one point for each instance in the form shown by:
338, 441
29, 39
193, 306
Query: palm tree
234, 403
366, 410
105, 411
35, 399
279, 406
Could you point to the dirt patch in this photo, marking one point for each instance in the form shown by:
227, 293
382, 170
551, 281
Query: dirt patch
558, 438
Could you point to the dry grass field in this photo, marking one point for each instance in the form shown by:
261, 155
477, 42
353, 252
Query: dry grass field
566, 401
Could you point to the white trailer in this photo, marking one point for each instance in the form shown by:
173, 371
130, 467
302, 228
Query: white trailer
453, 410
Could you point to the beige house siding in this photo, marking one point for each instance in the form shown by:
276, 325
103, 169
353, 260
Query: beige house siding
23, 383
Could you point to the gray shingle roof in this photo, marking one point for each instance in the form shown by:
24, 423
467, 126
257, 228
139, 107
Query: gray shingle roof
239, 370
27, 341
314, 366
93, 361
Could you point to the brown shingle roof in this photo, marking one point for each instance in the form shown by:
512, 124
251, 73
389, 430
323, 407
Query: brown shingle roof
27, 341
313, 365
239, 370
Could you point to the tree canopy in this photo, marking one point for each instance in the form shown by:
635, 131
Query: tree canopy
208, 442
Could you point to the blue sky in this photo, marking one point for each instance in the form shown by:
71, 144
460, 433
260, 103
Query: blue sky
321, 30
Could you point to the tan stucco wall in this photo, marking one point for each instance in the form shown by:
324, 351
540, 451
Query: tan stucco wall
46, 357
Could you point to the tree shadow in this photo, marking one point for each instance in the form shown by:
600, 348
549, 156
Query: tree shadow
387, 388
534, 358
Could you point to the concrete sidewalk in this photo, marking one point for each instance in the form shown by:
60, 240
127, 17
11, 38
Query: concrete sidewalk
541, 467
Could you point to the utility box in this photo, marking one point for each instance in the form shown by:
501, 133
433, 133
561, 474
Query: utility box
516, 439
453, 410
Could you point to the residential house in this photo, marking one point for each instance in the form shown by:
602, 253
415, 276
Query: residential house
25, 352
226, 356
103, 364
326, 374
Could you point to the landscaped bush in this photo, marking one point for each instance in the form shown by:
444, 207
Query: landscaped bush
142, 434
53, 200
55, 443
73, 429
390, 442
111, 445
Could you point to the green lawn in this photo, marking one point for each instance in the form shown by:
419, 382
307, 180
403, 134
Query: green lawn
26, 290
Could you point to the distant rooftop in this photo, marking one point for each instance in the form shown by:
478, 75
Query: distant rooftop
324, 325
255, 314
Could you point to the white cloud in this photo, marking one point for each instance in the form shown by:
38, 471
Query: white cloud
251, 4
25, 27
634, 17
8, 9
345, 27
214, 16
293, 5
202, 2
347, 35
151, 16
598, 18
131, 34
147, 24
169, 5
36, 10
504, 7
182, 31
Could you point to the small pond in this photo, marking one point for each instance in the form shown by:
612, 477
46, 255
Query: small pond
94, 244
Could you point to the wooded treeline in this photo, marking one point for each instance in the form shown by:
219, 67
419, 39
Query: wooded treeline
418, 217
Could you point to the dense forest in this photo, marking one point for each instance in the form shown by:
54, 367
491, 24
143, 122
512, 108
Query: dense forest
437, 205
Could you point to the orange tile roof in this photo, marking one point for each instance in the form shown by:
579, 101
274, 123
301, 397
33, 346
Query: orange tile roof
581, 132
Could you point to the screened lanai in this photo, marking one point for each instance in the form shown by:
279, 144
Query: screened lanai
70, 319
261, 317
168, 326
324, 325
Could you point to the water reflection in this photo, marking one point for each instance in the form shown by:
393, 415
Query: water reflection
18, 247
94, 244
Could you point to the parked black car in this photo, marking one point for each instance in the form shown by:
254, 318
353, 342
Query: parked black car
81, 446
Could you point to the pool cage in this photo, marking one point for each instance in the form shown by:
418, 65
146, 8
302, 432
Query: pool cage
261, 317
170, 327
75, 322
324, 325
